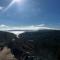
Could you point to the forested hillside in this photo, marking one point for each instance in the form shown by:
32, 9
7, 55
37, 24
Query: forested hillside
44, 44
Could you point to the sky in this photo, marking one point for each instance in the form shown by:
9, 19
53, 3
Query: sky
30, 13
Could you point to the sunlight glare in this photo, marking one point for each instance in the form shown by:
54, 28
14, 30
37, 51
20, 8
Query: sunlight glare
18, 1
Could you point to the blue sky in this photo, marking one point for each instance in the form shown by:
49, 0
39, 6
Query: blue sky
31, 12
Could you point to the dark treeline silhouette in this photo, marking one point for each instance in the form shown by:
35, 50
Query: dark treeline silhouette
46, 43
40, 45
19, 48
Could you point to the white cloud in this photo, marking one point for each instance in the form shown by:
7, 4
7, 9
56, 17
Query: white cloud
41, 25
1, 8
3, 26
32, 27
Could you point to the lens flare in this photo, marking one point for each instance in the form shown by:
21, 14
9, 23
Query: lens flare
13, 1
9, 6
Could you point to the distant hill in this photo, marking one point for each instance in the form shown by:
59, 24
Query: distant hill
6, 36
51, 37
44, 41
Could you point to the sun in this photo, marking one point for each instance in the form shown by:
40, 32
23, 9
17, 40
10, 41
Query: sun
18, 1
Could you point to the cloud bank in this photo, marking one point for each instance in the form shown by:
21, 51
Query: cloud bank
32, 27
22, 28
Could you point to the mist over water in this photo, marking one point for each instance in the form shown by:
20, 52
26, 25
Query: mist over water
16, 32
